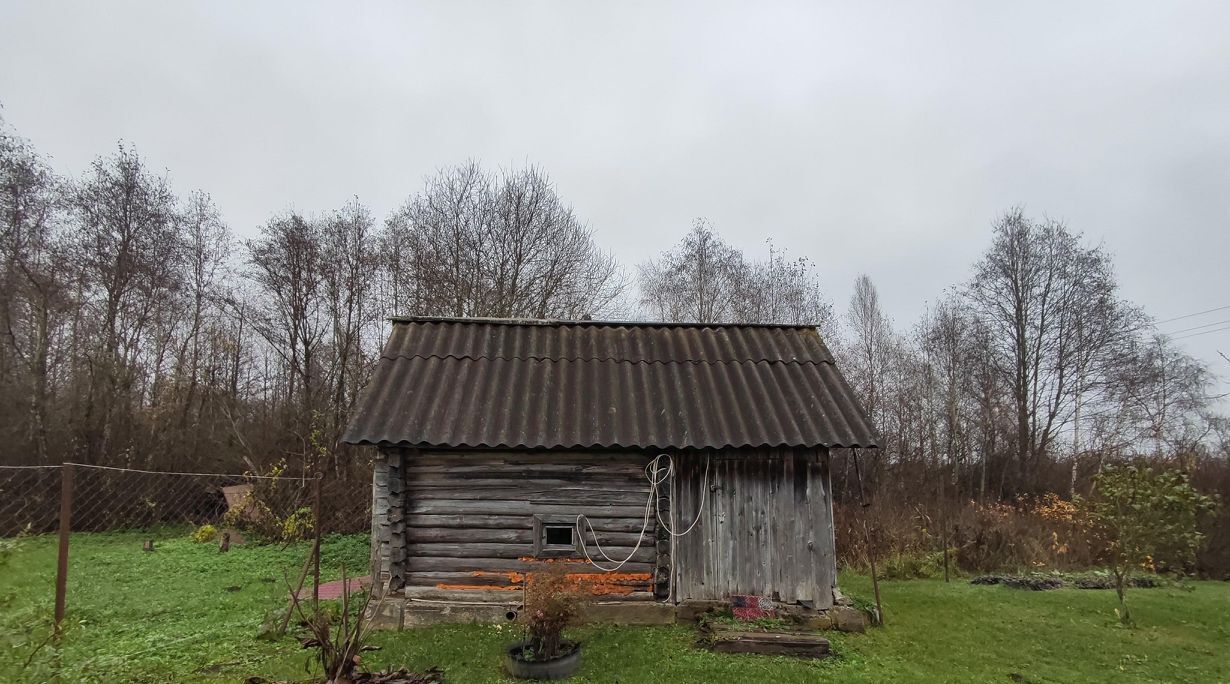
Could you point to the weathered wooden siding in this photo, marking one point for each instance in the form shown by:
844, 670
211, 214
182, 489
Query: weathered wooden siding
766, 527
469, 517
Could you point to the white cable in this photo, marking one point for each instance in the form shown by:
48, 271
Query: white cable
618, 564
704, 491
653, 473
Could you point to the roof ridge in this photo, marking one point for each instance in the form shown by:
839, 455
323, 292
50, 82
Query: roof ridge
471, 357
553, 322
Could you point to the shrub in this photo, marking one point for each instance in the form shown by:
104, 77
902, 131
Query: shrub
1105, 581
914, 565
297, 525
1032, 582
1025, 534
551, 604
205, 534
257, 514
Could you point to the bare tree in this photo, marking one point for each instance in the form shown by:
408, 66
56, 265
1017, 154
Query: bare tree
128, 250
783, 290
868, 349
208, 248
1051, 307
705, 280
505, 245
33, 292
1158, 404
944, 338
286, 269
349, 265
700, 280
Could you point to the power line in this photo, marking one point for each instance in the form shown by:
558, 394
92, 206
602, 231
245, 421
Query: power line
1198, 327
1155, 324
1150, 396
1192, 315
1206, 332
1126, 408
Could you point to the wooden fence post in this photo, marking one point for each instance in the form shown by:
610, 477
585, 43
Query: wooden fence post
316, 524
66, 521
871, 546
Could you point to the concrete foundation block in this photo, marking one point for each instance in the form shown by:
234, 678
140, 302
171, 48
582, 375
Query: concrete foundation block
629, 613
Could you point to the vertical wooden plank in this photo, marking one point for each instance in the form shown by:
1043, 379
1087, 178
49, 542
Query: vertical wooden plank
824, 462
759, 552
789, 534
721, 550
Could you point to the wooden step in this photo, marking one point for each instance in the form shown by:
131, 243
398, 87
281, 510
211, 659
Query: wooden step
735, 639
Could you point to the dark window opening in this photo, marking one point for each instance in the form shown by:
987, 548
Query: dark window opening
558, 535
555, 537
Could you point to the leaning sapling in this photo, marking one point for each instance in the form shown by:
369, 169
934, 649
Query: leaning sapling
1143, 518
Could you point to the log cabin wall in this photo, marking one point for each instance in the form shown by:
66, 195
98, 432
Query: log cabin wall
475, 519
388, 520
766, 527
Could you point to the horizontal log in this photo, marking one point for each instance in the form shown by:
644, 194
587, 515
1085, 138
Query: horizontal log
437, 564
725, 639
523, 458
499, 579
475, 579
508, 507
520, 480
525, 535
509, 598
631, 474
506, 477
574, 495
645, 554
520, 521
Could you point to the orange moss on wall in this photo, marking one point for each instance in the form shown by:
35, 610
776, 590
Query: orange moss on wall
589, 583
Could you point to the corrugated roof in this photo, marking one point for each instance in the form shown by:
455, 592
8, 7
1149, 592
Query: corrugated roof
614, 384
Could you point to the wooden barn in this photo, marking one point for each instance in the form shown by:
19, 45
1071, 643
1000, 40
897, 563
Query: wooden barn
663, 463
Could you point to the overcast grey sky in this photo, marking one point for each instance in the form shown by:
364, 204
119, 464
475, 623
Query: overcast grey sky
876, 138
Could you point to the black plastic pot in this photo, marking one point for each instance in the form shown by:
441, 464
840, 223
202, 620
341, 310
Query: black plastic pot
559, 668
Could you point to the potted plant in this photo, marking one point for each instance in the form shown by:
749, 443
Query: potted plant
550, 605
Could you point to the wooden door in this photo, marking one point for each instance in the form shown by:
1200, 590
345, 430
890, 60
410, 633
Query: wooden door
765, 528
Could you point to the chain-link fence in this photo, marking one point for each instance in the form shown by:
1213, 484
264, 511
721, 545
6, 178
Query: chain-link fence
137, 565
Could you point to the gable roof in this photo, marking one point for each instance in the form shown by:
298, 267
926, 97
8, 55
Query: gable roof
457, 382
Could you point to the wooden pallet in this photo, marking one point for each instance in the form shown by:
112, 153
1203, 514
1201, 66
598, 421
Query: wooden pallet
733, 639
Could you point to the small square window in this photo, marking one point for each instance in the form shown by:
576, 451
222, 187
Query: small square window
558, 535
555, 536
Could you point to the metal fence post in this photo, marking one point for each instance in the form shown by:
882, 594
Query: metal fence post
66, 521
317, 523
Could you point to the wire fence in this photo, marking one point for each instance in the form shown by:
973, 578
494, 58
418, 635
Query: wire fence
100, 564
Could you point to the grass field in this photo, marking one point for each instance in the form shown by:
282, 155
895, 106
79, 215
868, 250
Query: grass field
187, 613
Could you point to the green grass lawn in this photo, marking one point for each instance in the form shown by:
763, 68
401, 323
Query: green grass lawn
188, 613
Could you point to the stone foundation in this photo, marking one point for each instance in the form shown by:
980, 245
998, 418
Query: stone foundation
398, 611
401, 612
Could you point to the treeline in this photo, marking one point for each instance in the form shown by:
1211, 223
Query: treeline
137, 330
1025, 378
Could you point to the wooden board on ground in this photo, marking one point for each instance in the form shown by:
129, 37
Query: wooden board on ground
734, 639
